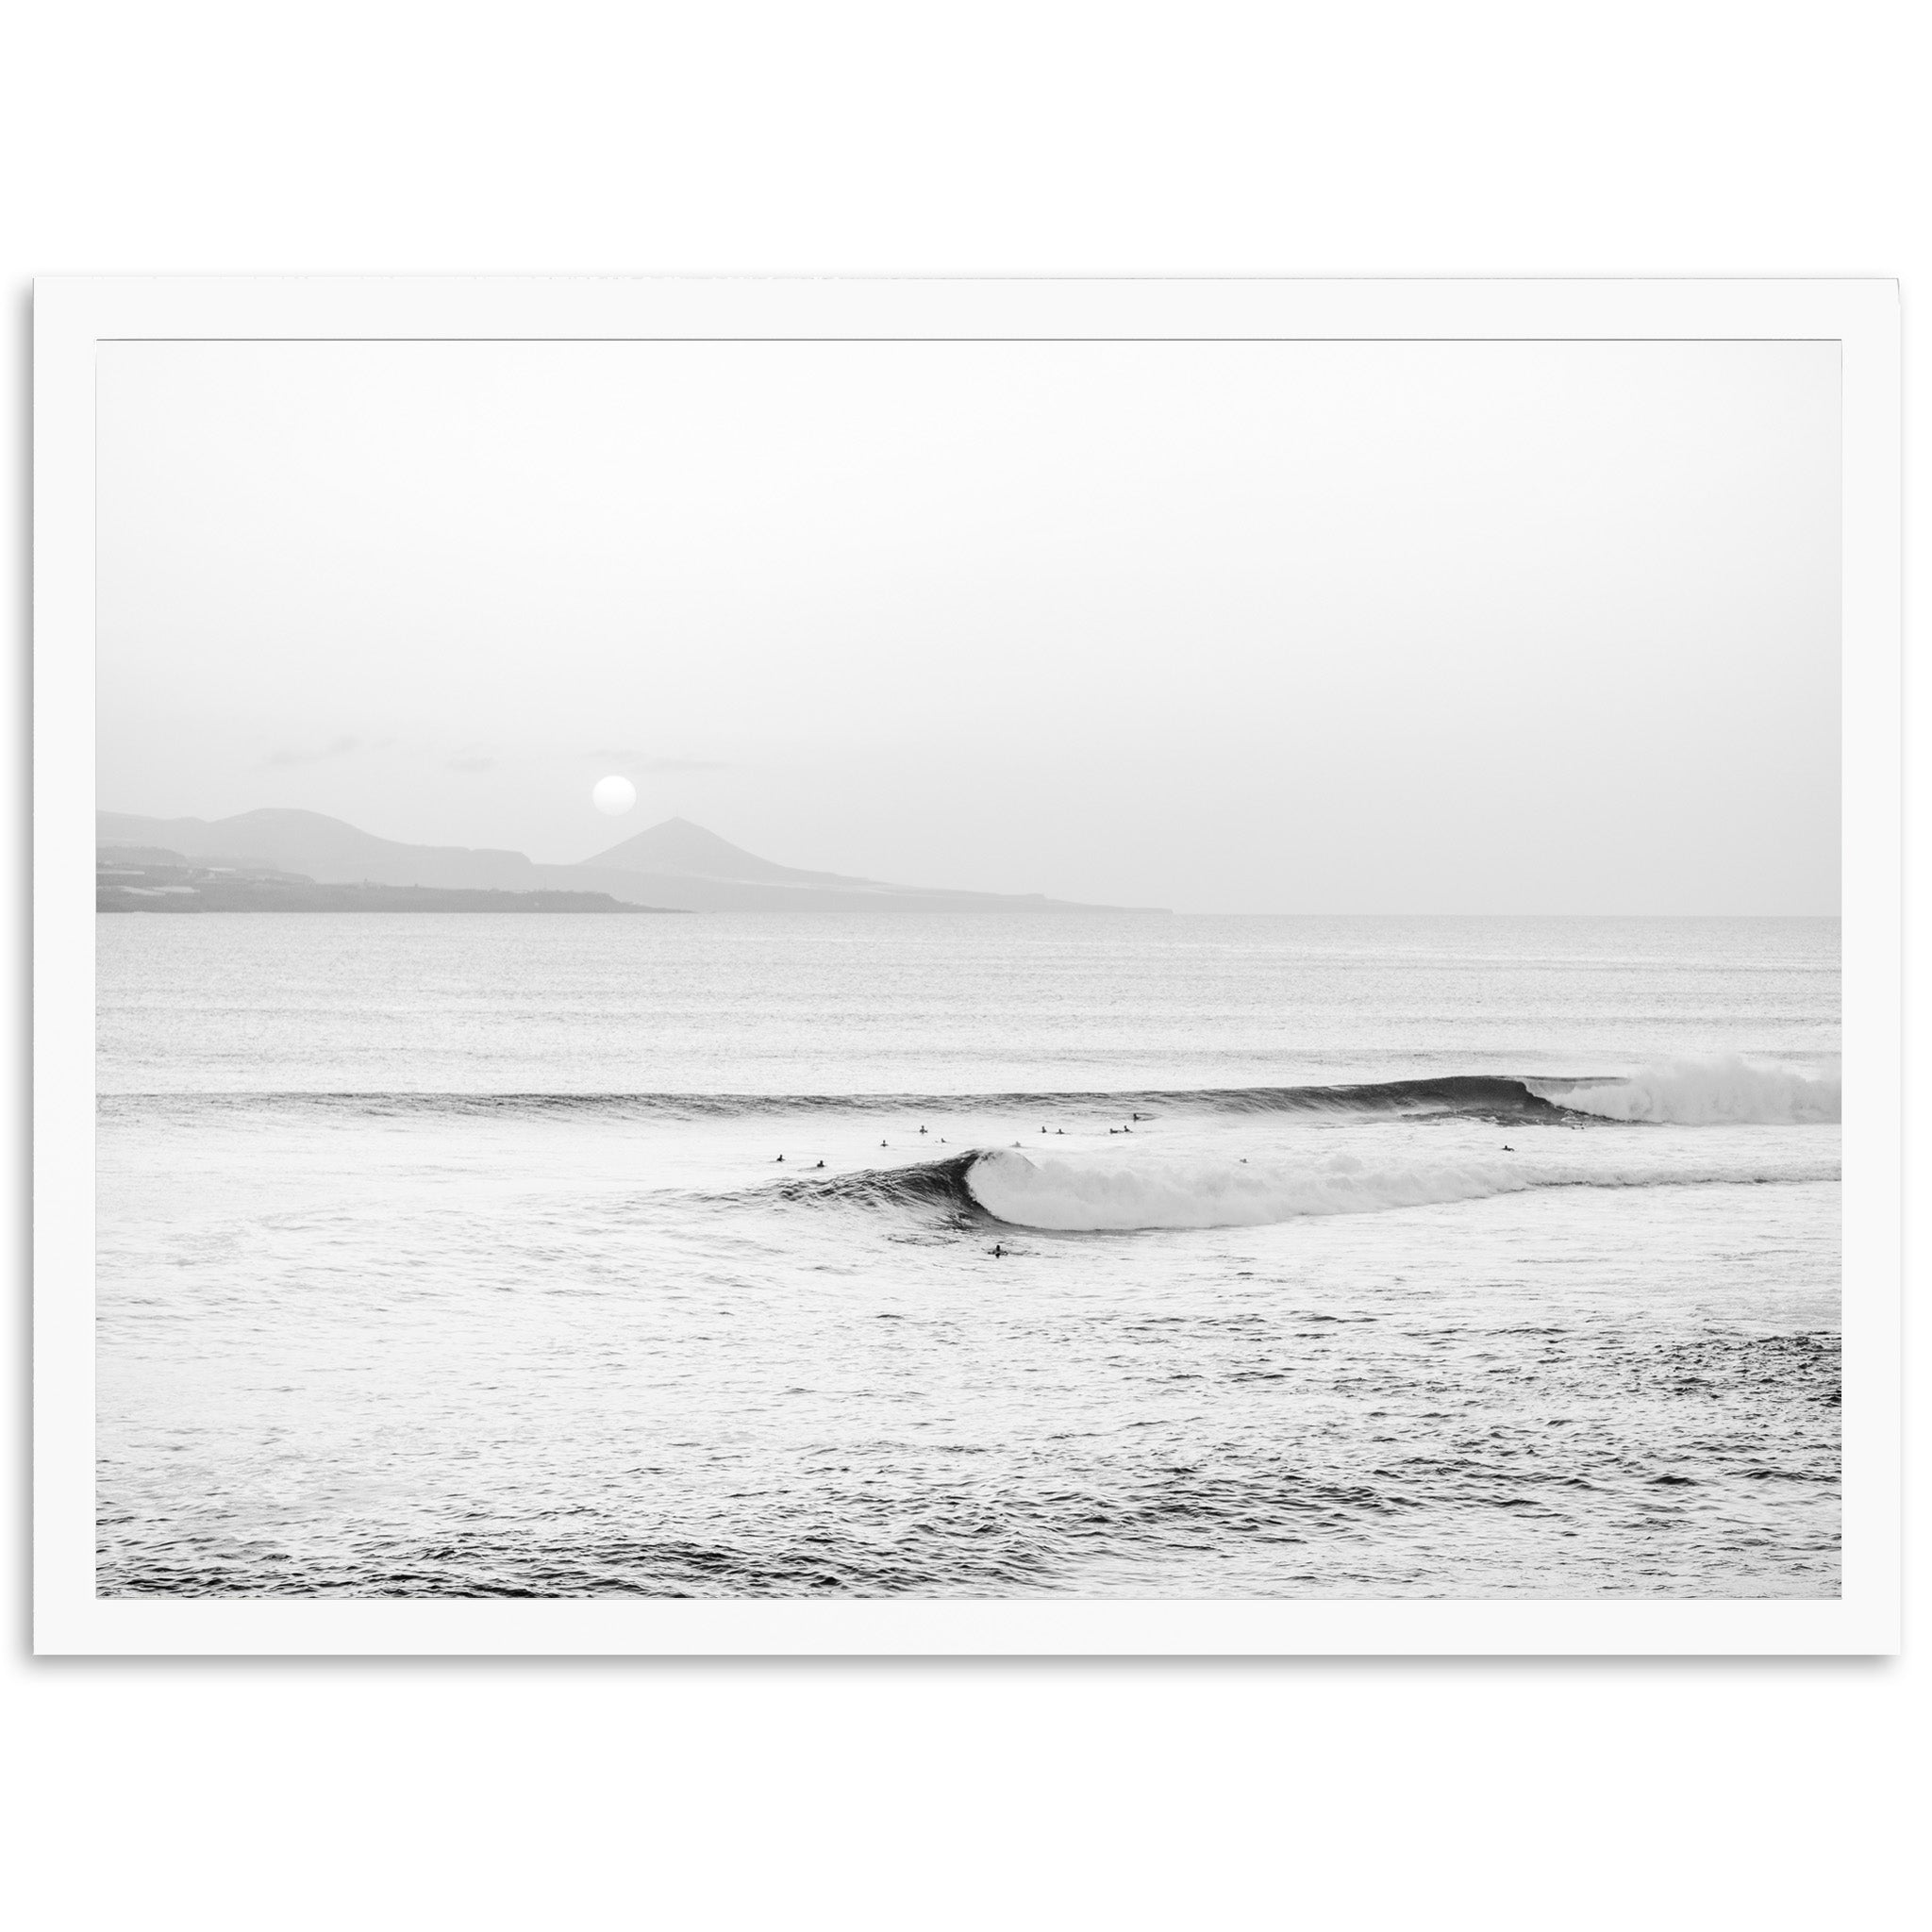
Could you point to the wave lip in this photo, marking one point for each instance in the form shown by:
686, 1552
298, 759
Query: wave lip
1716, 1090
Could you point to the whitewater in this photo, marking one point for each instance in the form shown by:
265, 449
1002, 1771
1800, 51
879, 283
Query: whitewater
966, 1257
1088, 1189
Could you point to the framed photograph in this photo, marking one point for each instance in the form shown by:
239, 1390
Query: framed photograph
1009, 967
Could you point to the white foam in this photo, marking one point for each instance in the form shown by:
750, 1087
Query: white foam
1081, 1196
1700, 1092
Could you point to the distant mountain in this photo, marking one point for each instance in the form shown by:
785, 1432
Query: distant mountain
321, 848
682, 864
145, 878
676, 865
679, 849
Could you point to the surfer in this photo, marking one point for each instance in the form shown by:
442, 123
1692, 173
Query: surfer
922, 1130
997, 1249
781, 1156
1506, 1148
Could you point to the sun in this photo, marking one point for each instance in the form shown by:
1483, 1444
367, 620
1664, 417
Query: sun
613, 796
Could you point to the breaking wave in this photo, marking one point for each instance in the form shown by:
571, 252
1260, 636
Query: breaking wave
1122, 1196
1725, 1089
1062, 1195
924, 1184
1488, 1096
1684, 1093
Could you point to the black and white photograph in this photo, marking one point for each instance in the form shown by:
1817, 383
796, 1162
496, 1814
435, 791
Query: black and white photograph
969, 969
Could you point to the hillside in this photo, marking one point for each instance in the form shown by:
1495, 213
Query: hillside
685, 864
674, 866
322, 848
679, 849
148, 879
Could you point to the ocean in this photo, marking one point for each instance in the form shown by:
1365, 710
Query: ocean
967, 1255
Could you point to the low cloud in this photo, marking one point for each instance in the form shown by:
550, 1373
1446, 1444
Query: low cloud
478, 761
339, 749
637, 762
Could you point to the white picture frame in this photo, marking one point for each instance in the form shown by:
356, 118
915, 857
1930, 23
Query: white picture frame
73, 316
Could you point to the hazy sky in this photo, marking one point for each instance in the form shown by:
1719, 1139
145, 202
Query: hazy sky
1225, 627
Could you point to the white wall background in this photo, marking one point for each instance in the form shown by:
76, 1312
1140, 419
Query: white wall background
1681, 138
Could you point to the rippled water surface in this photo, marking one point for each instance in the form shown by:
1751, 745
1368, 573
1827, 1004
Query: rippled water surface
448, 1256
